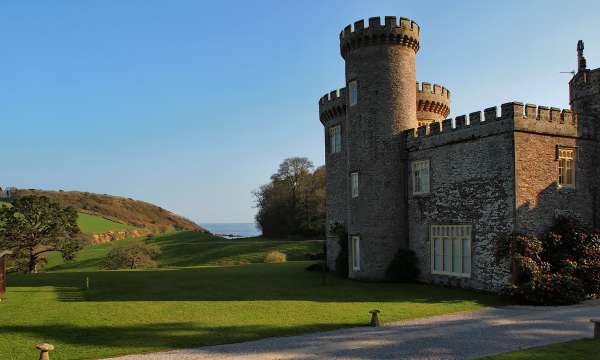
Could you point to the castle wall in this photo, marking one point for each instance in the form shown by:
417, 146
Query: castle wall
471, 183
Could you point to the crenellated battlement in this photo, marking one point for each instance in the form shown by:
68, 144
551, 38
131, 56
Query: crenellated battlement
439, 90
514, 116
332, 104
433, 102
403, 32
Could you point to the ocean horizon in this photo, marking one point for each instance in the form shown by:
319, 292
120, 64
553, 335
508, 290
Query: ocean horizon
234, 229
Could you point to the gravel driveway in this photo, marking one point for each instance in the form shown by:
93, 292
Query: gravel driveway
459, 336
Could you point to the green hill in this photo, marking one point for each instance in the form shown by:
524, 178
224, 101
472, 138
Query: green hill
91, 224
120, 210
189, 249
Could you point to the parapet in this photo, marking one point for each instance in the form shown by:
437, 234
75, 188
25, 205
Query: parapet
332, 104
404, 32
433, 103
514, 116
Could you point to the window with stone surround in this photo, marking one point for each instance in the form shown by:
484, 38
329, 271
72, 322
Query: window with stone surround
335, 139
451, 250
420, 177
353, 91
354, 184
566, 167
355, 252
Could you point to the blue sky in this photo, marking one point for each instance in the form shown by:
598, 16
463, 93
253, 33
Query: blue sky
192, 104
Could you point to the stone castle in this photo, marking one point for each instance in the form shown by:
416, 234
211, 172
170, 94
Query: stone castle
400, 175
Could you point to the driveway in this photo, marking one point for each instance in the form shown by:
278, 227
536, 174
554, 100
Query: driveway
460, 336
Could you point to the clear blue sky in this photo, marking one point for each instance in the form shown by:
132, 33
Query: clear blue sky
193, 104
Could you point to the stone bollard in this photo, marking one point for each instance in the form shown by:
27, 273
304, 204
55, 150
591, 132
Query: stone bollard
44, 350
375, 318
596, 323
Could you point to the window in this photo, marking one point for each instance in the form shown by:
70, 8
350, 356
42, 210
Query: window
451, 250
355, 252
353, 91
354, 183
566, 167
335, 139
420, 177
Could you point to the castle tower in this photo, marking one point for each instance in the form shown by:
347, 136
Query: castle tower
433, 104
381, 102
584, 89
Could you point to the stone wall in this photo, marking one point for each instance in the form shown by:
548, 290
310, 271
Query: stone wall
471, 184
539, 197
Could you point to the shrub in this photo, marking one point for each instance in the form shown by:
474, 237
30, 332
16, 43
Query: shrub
134, 255
319, 267
275, 257
341, 261
404, 267
560, 267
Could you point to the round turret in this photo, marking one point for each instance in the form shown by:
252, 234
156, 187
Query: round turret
433, 104
380, 103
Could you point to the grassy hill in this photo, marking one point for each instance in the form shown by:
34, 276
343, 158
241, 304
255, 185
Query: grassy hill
191, 249
89, 224
118, 209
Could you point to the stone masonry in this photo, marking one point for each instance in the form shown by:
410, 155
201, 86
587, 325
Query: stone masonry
496, 172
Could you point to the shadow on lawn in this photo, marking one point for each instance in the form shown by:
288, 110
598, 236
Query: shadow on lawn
248, 283
154, 337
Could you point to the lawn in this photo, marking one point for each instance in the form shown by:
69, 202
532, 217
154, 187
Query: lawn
140, 311
194, 249
97, 224
573, 350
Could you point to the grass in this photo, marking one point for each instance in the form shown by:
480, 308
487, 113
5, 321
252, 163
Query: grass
96, 224
141, 311
186, 249
583, 349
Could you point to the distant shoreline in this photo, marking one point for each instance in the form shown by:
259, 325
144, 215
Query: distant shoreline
233, 230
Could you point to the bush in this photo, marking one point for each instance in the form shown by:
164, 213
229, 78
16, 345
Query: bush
275, 257
341, 261
404, 267
319, 267
134, 255
551, 289
560, 267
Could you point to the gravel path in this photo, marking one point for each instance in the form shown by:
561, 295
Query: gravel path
459, 336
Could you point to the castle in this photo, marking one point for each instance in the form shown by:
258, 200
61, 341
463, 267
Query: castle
402, 176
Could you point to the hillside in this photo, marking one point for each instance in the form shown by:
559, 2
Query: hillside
191, 249
121, 210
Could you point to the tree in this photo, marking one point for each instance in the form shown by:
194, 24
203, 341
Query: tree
293, 203
136, 254
33, 226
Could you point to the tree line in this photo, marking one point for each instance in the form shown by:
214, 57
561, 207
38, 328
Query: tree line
292, 204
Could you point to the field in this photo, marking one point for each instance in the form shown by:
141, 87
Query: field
140, 311
97, 224
189, 249
585, 349
192, 301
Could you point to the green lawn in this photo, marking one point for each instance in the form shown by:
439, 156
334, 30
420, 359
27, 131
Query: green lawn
194, 249
573, 350
141, 311
97, 224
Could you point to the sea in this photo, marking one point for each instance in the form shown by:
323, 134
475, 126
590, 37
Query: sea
233, 230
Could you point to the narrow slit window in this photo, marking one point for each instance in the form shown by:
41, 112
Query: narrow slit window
353, 91
355, 252
335, 139
420, 177
354, 182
